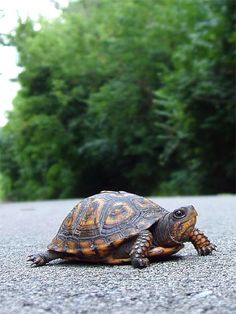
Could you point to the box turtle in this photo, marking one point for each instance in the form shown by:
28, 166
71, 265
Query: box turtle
119, 227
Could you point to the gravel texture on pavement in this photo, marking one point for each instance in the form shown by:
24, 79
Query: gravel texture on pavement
185, 283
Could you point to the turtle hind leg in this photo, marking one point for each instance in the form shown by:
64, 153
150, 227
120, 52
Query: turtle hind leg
140, 250
43, 258
201, 242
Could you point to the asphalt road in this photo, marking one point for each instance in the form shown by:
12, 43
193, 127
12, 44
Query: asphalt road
185, 283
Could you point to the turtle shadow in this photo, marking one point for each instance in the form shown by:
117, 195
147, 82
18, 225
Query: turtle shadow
163, 259
153, 260
63, 263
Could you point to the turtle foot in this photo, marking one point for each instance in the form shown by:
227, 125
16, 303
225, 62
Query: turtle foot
36, 259
206, 250
140, 262
201, 242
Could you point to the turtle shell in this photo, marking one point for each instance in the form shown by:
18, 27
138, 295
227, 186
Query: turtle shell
104, 221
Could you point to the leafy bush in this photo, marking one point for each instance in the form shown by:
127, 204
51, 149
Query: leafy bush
135, 95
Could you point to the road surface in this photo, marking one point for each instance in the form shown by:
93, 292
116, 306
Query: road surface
185, 283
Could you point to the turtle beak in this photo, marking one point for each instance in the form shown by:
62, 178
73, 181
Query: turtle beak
192, 211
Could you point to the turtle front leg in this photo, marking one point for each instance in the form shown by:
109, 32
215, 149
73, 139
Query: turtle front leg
140, 249
201, 242
41, 259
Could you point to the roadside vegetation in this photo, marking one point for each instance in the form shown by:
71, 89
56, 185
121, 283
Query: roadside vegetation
127, 95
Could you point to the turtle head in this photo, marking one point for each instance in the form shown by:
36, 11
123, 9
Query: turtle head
175, 227
181, 223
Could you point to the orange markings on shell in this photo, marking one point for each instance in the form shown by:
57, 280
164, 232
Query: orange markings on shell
120, 213
92, 213
116, 241
102, 222
72, 246
57, 245
88, 251
83, 244
69, 221
86, 247
100, 243
102, 247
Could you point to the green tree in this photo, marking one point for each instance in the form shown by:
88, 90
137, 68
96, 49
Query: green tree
199, 97
123, 95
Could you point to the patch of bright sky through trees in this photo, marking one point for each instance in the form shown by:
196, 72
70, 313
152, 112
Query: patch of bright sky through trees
10, 11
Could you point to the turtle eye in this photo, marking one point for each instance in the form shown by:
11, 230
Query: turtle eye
179, 213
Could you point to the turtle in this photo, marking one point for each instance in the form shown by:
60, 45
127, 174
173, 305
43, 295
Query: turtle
116, 227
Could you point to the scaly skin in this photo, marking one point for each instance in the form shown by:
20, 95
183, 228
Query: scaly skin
201, 242
140, 249
43, 258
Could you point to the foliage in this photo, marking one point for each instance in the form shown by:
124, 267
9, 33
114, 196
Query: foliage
203, 83
123, 95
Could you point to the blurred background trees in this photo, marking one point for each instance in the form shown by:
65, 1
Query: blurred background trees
125, 95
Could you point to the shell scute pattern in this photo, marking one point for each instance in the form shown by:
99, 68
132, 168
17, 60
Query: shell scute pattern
103, 221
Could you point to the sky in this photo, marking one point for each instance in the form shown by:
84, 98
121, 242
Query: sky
10, 10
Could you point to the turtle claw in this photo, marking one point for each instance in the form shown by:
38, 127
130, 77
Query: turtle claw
140, 262
37, 260
201, 243
206, 250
